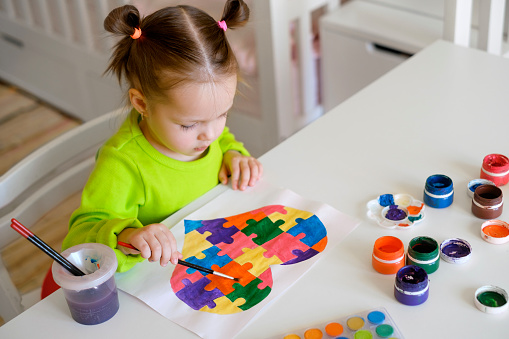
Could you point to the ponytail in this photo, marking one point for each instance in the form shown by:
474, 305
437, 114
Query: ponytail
235, 13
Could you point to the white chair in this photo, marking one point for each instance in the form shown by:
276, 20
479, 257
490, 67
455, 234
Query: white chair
43, 180
491, 24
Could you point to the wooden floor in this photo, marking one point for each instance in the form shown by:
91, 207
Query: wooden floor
25, 124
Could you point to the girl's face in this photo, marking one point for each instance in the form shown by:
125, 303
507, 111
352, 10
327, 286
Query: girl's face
193, 116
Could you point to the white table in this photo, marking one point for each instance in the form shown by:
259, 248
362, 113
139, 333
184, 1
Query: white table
419, 119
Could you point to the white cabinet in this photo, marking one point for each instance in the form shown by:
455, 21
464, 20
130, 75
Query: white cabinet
362, 40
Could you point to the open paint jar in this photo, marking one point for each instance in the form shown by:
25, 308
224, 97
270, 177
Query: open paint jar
388, 255
438, 191
488, 202
491, 299
495, 231
495, 167
411, 286
92, 298
455, 251
423, 252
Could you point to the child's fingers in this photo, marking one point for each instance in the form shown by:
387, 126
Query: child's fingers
245, 175
255, 172
223, 174
235, 174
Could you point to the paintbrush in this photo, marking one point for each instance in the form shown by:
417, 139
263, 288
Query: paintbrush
18, 227
188, 264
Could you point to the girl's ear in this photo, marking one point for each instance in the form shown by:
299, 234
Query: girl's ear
138, 101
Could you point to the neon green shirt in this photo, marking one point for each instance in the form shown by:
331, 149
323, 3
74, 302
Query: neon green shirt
133, 185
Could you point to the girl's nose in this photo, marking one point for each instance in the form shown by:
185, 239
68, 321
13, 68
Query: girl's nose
207, 133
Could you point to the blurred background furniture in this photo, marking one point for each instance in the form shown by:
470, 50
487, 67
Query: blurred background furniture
364, 39
40, 182
58, 50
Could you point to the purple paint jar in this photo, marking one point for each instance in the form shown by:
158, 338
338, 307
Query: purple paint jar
411, 286
92, 298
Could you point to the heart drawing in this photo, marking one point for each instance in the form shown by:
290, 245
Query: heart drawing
243, 246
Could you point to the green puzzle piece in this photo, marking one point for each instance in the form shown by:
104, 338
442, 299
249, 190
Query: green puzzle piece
264, 229
251, 293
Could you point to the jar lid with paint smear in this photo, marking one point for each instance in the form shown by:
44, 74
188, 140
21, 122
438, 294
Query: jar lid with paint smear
424, 252
455, 251
495, 231
388, 255
495, 167
488, 202
438, 191
491, 299
411, 286
473, 184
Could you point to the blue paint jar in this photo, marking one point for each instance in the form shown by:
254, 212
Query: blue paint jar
412, 285
438, 191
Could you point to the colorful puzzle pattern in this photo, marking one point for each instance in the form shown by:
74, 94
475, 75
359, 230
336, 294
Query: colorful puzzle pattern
243, 246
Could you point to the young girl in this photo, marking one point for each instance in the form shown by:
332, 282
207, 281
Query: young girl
173, 146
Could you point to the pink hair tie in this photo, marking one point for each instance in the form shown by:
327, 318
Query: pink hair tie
136, 34
222, 25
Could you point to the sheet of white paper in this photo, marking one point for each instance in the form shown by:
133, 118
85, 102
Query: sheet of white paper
151, 283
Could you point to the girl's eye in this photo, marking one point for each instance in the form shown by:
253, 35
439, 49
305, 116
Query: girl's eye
185, 128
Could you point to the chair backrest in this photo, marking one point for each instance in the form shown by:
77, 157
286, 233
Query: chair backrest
492, 22
43, 180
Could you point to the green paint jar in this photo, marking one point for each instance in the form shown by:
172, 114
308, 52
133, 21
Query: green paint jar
424, 252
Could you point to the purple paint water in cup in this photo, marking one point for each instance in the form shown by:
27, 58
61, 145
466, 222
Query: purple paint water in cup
92, 298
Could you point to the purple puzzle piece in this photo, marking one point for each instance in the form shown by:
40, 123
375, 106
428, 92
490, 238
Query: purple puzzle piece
196, 296
301, 256
219, 233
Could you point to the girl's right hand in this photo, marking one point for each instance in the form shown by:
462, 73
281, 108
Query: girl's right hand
155, 242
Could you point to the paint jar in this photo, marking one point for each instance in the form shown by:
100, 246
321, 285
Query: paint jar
488, 202
495, 167
455, 251
491, 299
495, 231
423, 252
438, 191
92, 298
388, 255
411, 286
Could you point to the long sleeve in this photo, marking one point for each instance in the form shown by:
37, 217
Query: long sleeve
110, 203
227, 142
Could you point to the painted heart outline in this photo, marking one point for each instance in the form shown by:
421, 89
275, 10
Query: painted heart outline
243, 246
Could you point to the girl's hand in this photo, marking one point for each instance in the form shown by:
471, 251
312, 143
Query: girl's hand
155, 242
243, 170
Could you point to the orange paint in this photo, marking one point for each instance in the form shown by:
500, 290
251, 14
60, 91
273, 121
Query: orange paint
496, 231
388, 255
320, 246
414, 210
233, 269
313, 333
334, 329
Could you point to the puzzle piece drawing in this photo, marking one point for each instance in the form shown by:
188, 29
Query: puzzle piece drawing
244, 246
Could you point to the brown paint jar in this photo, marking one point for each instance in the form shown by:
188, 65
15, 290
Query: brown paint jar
488, 202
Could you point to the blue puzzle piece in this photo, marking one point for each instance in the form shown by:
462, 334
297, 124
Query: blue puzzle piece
196, 296
219, 233
211, 258
312, 227
191, 225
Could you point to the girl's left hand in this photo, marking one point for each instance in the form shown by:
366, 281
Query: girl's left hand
244, 171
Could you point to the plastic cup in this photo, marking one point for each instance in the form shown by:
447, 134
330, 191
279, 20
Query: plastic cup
92, 298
